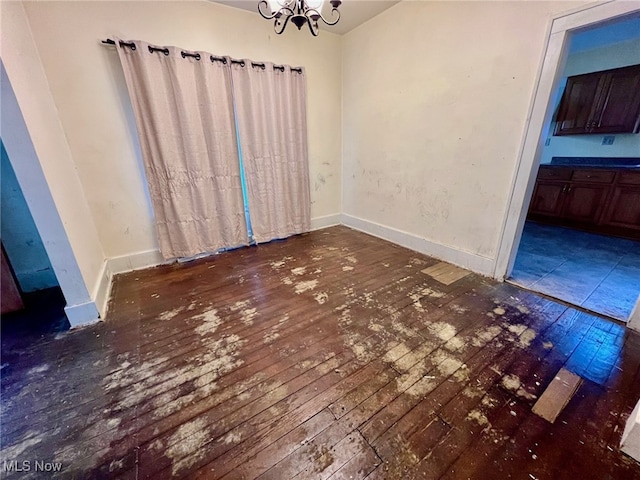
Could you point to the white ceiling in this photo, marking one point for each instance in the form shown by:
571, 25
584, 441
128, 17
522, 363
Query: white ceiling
352, 12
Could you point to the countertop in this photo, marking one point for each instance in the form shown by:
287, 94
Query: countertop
595, 162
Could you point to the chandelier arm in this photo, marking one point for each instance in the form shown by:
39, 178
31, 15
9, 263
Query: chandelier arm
270, 16
285, 10
316, 13
313, 32
330, 22
284, 24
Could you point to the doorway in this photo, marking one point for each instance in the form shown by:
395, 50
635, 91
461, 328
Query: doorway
78, 306
34, 305
596, 272
529, 252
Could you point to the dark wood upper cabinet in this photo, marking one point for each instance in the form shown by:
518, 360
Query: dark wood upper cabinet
601, 102
578, 104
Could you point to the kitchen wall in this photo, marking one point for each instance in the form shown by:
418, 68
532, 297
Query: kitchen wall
88, 88
603, 58
435, 100
20, 236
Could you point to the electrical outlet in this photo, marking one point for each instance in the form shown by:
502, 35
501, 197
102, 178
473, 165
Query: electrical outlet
608, 140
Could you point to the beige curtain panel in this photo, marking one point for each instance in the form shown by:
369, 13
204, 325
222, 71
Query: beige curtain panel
272, 123
184, 114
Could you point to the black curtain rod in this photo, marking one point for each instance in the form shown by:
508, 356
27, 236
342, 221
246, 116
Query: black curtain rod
213, 58
131, 45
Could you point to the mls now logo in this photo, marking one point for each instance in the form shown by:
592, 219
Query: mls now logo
16, 466
27, 466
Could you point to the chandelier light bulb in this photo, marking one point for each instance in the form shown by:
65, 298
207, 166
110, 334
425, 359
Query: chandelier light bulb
315, 4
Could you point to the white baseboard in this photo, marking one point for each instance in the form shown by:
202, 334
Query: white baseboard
630, 443
82, 314
326, 221
470, 261
102, 290
121, 264
135, 261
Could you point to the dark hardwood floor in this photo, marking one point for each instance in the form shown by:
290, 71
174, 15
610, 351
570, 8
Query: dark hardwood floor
328, 355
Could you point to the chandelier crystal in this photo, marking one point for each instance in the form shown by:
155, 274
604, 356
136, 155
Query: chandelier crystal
300, 12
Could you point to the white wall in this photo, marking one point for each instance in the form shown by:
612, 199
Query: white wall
88, 88
435, 100
604, 58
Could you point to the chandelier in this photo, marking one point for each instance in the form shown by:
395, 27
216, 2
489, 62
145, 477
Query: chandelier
299, 12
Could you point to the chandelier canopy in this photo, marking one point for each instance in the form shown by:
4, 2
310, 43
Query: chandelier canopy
300, 12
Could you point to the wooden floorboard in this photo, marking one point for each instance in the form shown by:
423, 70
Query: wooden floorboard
329, 355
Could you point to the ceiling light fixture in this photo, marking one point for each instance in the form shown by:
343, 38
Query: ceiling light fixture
299, 12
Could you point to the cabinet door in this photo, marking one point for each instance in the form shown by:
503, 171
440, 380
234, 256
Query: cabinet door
618, 108
624, 209
578, 103
547, 198
584, 203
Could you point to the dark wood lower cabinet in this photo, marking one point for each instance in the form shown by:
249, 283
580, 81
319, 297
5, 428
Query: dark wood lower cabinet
624, 208
583, 203
599, 200
547, 198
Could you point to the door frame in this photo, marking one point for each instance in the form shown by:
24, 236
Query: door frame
634, 320
540, 114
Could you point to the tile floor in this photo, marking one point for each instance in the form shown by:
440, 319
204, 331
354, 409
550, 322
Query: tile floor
596, 272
